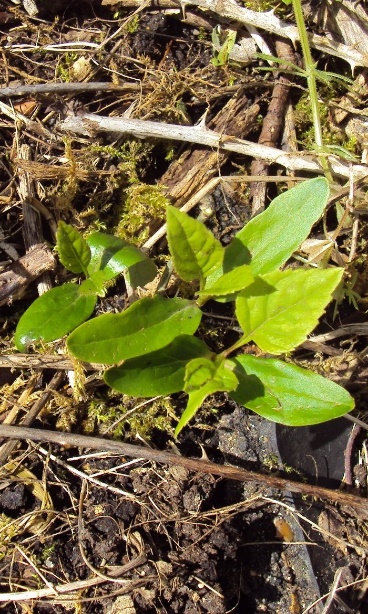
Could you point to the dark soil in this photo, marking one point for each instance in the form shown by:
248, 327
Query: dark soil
186, 542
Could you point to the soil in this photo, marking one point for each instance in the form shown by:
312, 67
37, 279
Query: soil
82, 531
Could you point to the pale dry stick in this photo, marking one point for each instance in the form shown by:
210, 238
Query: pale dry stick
89, 124
16, 277
332, 595
201, 466
339, 589
347, 329
66, 88
58, 47
43, 361
229, 9
85, 476
75, 587
38, 572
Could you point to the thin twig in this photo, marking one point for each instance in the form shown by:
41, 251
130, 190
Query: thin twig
201, 466
43, 361
66, 88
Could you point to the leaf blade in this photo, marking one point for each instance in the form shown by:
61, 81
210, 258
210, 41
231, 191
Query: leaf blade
233, 281
157, 373
112, 256
147, 325
288, 394
277, 232
194, 250
53, 315
74, 252
281, 320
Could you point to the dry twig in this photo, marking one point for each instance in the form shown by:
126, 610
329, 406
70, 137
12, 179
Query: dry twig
201, 466
90, 125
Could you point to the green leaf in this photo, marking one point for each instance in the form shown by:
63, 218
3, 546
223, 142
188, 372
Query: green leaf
222, 48
90, 286
157, 373
194, 250
112, 256
288, 394
53, 315
74, 252
281, 320
202, 378
235, 280
275, 234
146, 326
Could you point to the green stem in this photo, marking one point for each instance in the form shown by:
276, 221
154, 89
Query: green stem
238, 344
310, 69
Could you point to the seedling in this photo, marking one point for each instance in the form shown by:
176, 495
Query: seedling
223, 43
153, 345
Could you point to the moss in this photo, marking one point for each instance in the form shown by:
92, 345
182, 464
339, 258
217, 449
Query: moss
132, 25
331, 135
157, 414
263, 6
64, 65
142, 206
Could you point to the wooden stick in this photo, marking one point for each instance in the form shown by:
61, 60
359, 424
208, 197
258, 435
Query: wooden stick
268, 21
66, 88
201, 466
90, 124
15, 279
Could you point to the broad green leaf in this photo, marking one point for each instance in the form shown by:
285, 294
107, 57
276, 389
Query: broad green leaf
194, 250
288, 394
112, 256
202, 378
275, 234
156, 373
235, 280
279, 321
53, 315
73, 250
146, 326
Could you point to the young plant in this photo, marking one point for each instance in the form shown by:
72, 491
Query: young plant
100, 258
223, 43
154, 342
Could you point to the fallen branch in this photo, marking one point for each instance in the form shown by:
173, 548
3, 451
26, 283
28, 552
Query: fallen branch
90, 125
15, 279
66, 88
229, 9
43, 361
201, 466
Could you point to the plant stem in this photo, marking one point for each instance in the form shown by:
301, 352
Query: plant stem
238, 344
310, 69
